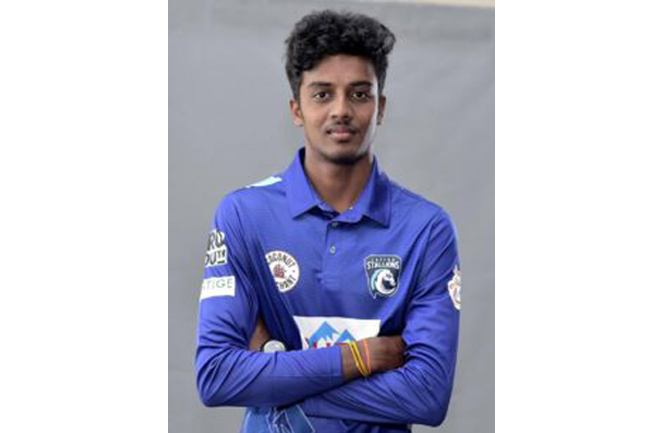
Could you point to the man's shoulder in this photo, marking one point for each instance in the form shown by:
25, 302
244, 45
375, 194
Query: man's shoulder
258, 193
408, 204
419, 214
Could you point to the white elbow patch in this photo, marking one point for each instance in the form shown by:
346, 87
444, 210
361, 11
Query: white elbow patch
218, 286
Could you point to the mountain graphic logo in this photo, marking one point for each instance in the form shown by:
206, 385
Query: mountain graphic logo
345, 337
327, 336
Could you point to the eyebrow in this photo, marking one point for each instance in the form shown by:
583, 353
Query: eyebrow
326, 84
319, 84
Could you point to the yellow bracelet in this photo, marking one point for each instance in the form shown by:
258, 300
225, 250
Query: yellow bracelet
358, 361
354, 353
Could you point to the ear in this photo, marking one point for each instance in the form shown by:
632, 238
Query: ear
296, 112
382, 109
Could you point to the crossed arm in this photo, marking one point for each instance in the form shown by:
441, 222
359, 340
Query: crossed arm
411, 380
386, 353
411, 385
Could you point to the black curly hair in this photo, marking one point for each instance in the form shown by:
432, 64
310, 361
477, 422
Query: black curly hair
327, 33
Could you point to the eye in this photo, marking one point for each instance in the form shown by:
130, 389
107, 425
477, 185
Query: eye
360, 95
320, 96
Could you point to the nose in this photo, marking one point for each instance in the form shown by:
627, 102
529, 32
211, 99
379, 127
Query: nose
341, 108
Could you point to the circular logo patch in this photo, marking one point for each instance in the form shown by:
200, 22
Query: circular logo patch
284, 268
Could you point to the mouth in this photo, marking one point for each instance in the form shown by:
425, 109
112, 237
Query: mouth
341, 133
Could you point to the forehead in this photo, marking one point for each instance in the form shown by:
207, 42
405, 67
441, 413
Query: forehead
341, 69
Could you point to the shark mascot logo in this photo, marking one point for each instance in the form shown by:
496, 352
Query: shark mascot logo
383, 274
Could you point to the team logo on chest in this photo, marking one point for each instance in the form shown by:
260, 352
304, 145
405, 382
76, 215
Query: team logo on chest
284, 268
383, 274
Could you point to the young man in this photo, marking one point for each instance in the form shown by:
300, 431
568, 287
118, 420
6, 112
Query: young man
331, 298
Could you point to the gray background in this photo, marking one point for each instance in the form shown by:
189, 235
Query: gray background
229, 126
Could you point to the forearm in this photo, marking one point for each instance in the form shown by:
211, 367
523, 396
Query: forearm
230, 370
238, 377
411, 394
417, 392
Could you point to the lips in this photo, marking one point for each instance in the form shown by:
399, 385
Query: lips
341, 133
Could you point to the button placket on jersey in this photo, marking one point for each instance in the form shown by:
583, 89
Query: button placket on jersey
332, 255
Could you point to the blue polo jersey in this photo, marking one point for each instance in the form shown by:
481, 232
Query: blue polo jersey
387, 266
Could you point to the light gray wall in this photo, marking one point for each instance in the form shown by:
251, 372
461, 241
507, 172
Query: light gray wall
229, 126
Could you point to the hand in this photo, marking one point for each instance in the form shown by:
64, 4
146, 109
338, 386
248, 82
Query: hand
260, 335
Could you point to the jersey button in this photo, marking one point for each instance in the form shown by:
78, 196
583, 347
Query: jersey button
335, 224
332, 250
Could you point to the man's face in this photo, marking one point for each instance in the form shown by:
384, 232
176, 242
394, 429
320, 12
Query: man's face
339, 108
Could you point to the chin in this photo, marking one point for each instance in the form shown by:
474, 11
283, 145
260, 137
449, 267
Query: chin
346, 160
345, 156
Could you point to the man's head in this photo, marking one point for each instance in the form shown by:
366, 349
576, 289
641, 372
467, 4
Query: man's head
336, 65
327, 33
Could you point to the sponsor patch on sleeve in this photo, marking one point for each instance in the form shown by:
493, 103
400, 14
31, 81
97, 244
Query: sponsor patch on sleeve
218, 286
217, 253
454, 288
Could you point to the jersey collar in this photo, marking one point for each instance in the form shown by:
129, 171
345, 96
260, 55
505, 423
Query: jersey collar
374, 201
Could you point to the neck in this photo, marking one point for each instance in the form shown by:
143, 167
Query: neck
339, 185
